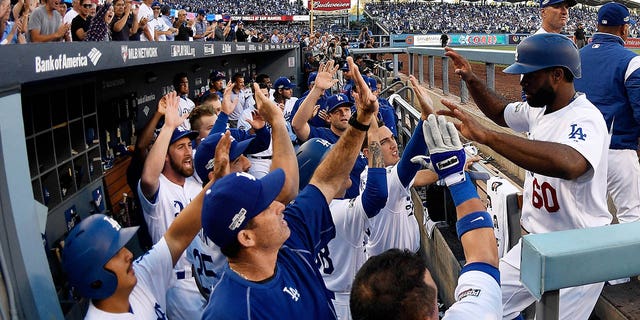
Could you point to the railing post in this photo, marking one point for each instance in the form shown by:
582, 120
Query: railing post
395, 65
445, 75
410, 63
432, 72
491, 75
421, 68
464, 92
547, 307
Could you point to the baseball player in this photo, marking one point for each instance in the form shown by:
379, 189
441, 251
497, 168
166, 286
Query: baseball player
216, 83
242, 98
554, 14
283, 95
611, 80
565, 155
396, 226
271, 249
319, 119
181, 85
100, 268
339, 112
165, 188
343, 256
398, 285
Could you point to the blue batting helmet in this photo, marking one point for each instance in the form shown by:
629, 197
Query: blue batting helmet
541, 51
309, 155
88, 247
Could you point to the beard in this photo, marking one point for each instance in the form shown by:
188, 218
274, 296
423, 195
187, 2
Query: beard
180, 168
543, 97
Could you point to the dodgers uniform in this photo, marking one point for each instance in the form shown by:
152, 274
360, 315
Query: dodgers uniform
154, 272
184, 301
396, 225
555, 204
343, 256
245, 101
477, 295
316, 120
185, 106
611, 81
296, 290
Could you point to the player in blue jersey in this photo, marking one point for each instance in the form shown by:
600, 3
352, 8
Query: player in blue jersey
271, 249
397, 285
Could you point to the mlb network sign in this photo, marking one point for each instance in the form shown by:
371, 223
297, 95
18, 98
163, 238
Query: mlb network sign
330, 5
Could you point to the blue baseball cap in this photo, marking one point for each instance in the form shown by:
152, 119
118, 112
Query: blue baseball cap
202, 12
312, 77
338, 100
234, 200
614, 14
216, 75
156, 4
372, 83
345, 66
546, 3
283, 83
180, 132
203, 160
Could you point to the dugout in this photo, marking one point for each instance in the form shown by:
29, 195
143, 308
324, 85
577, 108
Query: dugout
68, 111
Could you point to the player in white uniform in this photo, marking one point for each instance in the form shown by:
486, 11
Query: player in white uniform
100, 268
165, 188
181, 85
565, 155
398, 285
396, 225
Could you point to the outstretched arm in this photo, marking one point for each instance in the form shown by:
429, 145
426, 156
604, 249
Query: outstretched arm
491, 103
150, 180
324, 80
543, 157
375, 194
332, 173
189, 221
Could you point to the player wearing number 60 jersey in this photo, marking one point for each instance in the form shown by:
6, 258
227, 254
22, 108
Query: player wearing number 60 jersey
565, 155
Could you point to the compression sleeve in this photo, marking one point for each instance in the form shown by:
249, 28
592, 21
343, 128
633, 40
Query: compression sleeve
374, 196
416, 146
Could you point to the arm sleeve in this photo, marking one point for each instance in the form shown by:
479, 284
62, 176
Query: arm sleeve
221, 123
374, 196
416, 146
261, 141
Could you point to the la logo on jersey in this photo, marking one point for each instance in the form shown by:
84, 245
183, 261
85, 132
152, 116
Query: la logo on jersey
576, 133
293, 292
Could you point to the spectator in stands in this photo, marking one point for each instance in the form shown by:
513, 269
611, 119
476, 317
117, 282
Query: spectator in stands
444, 40
611, 80
99, 29
45, 24
81, 23
202, 27
167, 20
274, 36
241, 35
11, 31
76, 7
145, 14
62, 9
184, 26
397, 284
125, 21
222, 31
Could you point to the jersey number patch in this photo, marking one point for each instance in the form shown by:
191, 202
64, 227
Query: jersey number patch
544, 195
324, 261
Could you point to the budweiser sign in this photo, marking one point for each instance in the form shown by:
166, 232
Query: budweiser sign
331, 5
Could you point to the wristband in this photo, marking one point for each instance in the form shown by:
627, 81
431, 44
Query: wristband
463, 191
353, 121
472, 221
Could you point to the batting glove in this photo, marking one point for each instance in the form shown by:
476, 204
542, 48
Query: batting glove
446, 152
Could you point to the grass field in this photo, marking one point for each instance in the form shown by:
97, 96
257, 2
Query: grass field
513, 48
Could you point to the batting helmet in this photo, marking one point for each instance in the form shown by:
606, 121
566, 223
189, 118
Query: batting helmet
309, 155
88, 247
545, 50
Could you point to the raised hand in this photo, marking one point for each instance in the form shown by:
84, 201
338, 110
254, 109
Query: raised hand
172, 117
426, 104
366, 101
468, 126
266, 108
227, 104
461, 65
325, 78
221, 166
256, 122
445, 149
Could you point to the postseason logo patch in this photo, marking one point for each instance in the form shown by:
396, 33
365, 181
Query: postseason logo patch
469, 293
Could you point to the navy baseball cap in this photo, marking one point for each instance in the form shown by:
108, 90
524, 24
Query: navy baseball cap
338, 100
372, 83
180, 132
155, 4
283, 83
312, 78
234, 200
216, 75
614, 14
546, 3
202, 12
203, 160
344, 66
